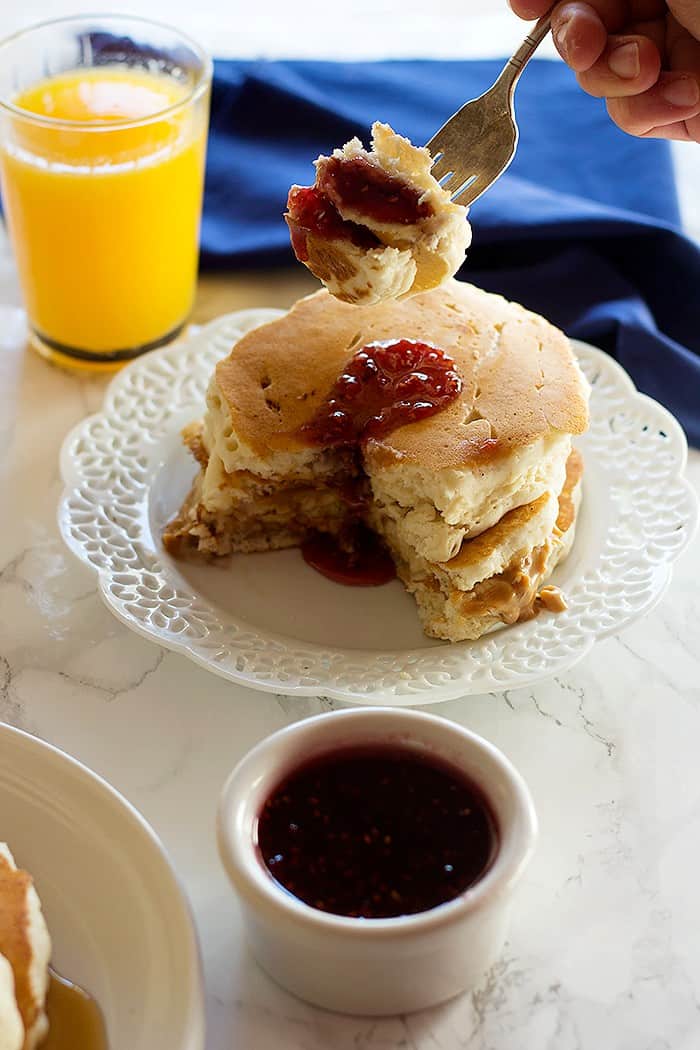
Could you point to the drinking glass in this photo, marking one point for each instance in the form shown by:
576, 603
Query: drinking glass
103, 125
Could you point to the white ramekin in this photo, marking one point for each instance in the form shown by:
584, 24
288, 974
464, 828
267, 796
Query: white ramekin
375, 966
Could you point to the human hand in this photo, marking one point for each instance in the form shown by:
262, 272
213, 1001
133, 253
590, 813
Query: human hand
642, 56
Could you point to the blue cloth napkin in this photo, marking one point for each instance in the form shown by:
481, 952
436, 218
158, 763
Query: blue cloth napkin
583, 228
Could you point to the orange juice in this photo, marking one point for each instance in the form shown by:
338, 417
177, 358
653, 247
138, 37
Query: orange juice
102, 192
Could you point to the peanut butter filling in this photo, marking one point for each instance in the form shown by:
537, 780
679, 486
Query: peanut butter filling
552, 599
512, 595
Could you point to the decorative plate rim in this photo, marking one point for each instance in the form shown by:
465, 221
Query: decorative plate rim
103, 517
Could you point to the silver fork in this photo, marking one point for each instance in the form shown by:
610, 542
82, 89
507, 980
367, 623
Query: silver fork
478, 142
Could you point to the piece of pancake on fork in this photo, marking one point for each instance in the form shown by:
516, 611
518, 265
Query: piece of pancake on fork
376, 224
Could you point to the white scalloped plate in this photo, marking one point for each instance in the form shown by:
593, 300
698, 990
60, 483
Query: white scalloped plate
269, 622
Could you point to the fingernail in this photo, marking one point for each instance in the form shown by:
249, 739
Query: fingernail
560, 36
681, 91
624, 61
526, 11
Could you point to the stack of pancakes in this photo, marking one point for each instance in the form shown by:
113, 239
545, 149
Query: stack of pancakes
25, 949
477, 504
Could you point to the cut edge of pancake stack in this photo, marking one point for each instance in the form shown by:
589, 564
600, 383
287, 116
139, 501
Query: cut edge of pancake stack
477, 503
25, 951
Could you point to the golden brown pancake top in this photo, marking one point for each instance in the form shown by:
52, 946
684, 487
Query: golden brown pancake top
520, 382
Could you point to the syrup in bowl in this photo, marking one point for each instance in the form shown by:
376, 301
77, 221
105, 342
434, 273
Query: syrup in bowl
75, 1019
375, 832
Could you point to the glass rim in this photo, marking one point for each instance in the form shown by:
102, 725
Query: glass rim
201, 84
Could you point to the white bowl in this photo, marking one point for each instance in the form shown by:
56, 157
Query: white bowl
375, 966
269, 622
119, 921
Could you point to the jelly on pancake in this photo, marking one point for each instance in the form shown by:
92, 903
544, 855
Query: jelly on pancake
367, 188
310, 212
384, 386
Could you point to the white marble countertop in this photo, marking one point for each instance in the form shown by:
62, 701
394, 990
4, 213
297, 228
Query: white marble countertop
604, 952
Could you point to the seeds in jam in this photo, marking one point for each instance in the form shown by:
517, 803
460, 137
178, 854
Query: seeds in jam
384, 386
376, 833
357, 183
310, 212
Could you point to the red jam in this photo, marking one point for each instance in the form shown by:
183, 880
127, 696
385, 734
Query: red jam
357, 183
308, 211
376, 833
356, 494
367, 564
384, 386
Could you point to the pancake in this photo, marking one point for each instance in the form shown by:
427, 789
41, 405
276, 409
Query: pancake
250, 514
498, 577
484, 556
413, 241
501, 444
459, 497
355, 274
26, 945
11, 1027
520, 379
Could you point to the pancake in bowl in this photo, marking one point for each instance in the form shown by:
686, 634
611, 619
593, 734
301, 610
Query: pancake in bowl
463, 496
25, 950
376, 224
11, 1026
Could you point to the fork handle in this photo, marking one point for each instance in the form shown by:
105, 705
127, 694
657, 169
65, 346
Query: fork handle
515, 65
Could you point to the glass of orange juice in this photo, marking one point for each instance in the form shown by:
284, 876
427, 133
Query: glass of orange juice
103, 124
